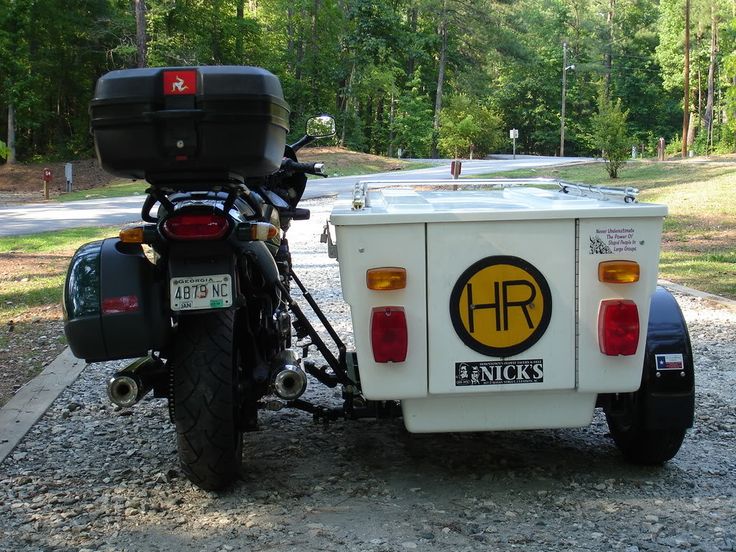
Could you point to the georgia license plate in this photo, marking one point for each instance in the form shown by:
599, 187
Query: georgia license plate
201, 292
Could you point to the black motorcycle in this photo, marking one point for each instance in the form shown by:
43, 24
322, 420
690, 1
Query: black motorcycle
200, 291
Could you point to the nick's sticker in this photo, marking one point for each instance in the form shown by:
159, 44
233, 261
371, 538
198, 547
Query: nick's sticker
500, 306
669, 362
498, 372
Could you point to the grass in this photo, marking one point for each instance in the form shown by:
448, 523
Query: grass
117, 189
699, 240
32, 267
57, 240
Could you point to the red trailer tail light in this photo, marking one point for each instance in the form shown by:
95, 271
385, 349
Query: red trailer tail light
618, 327
389, 334
196, 227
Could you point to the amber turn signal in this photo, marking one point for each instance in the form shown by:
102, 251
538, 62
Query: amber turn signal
385, 278
131, 234
618, 272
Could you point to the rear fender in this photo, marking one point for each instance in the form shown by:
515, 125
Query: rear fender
667, 392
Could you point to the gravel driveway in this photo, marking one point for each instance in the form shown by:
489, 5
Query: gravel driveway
90, 478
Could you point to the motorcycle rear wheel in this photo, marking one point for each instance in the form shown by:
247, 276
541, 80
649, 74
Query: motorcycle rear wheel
206, 399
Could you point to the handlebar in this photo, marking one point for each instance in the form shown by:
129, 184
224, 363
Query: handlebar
289, 165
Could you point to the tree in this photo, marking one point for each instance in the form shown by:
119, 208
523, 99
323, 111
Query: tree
412, 124
609, 133
468, 128
3, 150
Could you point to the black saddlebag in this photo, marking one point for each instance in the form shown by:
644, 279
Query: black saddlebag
189, 123
113, 303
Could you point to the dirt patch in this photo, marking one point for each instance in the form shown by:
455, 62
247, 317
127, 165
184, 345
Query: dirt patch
340, 160
30, 336
23, 182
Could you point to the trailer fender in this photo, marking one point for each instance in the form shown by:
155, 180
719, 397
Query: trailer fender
667, 392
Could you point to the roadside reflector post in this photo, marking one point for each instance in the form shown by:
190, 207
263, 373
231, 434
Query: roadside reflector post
69, 175
455, 168
47, 176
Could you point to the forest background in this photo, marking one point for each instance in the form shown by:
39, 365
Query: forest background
424, 77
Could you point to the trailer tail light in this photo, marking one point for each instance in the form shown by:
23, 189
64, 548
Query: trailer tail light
618, 327
618, 272
389, 334
196, 227
386, 278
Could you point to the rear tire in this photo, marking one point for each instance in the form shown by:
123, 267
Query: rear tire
206, 399
648, 447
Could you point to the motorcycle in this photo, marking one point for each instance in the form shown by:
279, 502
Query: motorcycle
208, 308
200, 292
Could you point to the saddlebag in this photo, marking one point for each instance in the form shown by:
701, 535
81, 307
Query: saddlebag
189, 123
113, 303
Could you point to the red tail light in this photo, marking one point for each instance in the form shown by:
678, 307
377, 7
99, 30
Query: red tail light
389, 335
196, 227
618, 327
117, 305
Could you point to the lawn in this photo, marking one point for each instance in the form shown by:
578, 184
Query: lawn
699, 241
32, 270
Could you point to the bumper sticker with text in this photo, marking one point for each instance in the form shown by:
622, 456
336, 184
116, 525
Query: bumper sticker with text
499, 372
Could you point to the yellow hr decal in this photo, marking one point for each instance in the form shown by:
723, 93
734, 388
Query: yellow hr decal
500, 306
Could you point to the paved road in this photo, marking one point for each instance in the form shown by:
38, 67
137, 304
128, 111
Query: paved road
45, 217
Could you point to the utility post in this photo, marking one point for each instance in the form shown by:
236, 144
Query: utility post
562, 111
565, 68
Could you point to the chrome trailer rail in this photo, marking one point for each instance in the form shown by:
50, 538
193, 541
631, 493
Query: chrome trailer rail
604, 193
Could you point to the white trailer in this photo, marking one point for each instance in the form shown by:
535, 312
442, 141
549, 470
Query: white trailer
503, 306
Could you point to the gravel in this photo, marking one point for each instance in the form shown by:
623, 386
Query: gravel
90, 477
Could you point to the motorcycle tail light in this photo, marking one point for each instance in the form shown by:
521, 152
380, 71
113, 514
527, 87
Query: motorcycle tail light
196, 227
389, 334
618, 327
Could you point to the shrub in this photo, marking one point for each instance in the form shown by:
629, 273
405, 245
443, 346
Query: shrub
610, 133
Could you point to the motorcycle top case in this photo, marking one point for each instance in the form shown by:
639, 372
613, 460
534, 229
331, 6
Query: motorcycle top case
112, 303
189, 123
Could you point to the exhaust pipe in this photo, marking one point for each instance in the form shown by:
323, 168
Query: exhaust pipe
290, 380
131, 384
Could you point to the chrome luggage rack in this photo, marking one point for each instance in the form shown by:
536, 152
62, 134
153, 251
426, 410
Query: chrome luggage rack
604, 193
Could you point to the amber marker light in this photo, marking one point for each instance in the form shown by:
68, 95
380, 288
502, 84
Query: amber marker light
263, 231
618, 272
385, 278
131, 234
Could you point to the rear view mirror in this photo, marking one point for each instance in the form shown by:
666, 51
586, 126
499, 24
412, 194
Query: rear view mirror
321, 126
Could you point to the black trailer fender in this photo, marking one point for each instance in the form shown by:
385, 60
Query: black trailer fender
668, 379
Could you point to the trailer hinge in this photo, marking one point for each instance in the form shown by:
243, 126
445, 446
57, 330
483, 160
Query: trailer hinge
326, 237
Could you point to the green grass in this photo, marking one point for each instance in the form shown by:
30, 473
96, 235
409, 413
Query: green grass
699, 241
35, 275
50, 242
118, 189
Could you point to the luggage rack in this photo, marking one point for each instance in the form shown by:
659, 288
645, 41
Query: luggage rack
603, 193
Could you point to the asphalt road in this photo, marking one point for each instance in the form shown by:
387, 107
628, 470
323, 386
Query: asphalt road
44, 217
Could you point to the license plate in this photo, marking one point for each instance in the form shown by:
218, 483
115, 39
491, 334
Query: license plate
201, 292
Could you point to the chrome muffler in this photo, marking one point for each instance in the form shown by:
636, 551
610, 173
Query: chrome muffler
132, 383
289, 380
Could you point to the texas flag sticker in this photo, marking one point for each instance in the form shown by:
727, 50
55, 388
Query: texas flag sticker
180, 82
669, 362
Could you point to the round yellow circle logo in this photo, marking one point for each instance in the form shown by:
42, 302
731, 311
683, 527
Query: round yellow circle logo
501, 306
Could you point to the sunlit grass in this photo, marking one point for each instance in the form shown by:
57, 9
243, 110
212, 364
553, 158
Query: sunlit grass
699, 240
